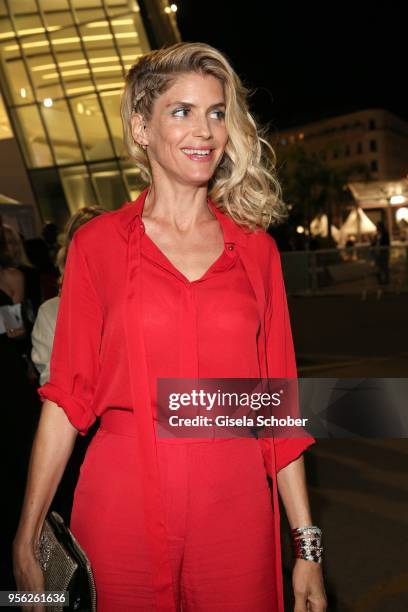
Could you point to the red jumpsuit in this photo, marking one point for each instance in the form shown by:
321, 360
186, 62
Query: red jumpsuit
171, 523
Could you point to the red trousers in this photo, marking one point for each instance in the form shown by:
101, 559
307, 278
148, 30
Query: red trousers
219, 517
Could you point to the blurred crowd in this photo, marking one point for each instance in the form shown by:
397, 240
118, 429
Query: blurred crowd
31, 278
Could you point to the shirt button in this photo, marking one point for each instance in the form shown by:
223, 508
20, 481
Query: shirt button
230, 247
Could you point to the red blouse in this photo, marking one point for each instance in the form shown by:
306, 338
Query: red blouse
127, 316
198, 329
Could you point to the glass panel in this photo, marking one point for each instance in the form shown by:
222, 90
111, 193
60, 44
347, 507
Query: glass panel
62, 132
129, 32
50, 196
28, 6
16, 85
77, 187
109, 185
133, 179
53, 17
92, 128
67, 61
5, 127
44, 76
105, 65
139, 27
84, 7
126, 35
32, 137
111, 105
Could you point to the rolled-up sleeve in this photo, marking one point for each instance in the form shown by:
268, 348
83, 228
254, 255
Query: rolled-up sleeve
74, 361
281, 357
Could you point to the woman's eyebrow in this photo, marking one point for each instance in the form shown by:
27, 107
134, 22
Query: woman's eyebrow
180, 102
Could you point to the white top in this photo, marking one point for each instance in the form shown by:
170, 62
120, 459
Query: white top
42, 337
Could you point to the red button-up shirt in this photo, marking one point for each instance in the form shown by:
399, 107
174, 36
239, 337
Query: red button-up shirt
127, 316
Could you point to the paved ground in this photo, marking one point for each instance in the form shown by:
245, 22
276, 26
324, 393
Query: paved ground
358, 487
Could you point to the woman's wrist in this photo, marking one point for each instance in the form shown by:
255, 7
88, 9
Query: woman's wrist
27, 536
307, 543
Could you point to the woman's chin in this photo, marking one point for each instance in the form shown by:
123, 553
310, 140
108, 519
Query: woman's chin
198, 178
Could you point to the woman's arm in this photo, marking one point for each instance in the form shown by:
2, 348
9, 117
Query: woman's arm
293, 491
308, 584
52, 447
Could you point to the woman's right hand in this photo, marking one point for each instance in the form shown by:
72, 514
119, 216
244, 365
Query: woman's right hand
28, 573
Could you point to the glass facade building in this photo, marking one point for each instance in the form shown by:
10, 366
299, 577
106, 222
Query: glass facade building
62, 70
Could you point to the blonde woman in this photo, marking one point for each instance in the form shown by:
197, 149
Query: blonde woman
42, 335
184, 282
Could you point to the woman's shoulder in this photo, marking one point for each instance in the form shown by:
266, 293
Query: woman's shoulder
95, 228
263, 243
102, 234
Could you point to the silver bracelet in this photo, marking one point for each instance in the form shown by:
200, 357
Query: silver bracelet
306, 543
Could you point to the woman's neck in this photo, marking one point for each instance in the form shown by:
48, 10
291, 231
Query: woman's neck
178, 204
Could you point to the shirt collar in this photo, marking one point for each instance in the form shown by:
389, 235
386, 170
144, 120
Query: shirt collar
233, 233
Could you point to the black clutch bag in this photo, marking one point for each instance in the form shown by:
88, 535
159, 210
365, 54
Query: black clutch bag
65, 566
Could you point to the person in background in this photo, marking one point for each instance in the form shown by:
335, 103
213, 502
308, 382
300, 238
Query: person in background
39, 256
18, 399
42, 335
381, 244
32, 293
12, 285
49, 234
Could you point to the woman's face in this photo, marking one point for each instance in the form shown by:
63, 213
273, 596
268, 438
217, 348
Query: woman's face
186, 135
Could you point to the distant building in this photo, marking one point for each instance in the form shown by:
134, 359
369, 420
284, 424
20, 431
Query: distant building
375, 143
374, 138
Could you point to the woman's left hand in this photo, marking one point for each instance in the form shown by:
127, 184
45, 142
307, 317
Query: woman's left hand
308, 587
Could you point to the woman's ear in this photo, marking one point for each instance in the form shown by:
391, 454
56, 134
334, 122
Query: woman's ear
139, 129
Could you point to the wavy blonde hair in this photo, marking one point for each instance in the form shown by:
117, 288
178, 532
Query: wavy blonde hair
244, 184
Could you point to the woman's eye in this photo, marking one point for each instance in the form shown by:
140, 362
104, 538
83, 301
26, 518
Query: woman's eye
220, 114
181, 112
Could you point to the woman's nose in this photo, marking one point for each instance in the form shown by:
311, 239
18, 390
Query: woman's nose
202, 127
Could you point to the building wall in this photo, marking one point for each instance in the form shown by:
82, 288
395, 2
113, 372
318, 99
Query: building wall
61, 76
375, 138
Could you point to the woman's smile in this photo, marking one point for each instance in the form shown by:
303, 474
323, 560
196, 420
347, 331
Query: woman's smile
199, 154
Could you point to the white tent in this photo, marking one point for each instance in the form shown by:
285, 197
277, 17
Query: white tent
319, 227
357, 223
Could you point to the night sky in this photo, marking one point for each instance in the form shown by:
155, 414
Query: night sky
307, 63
